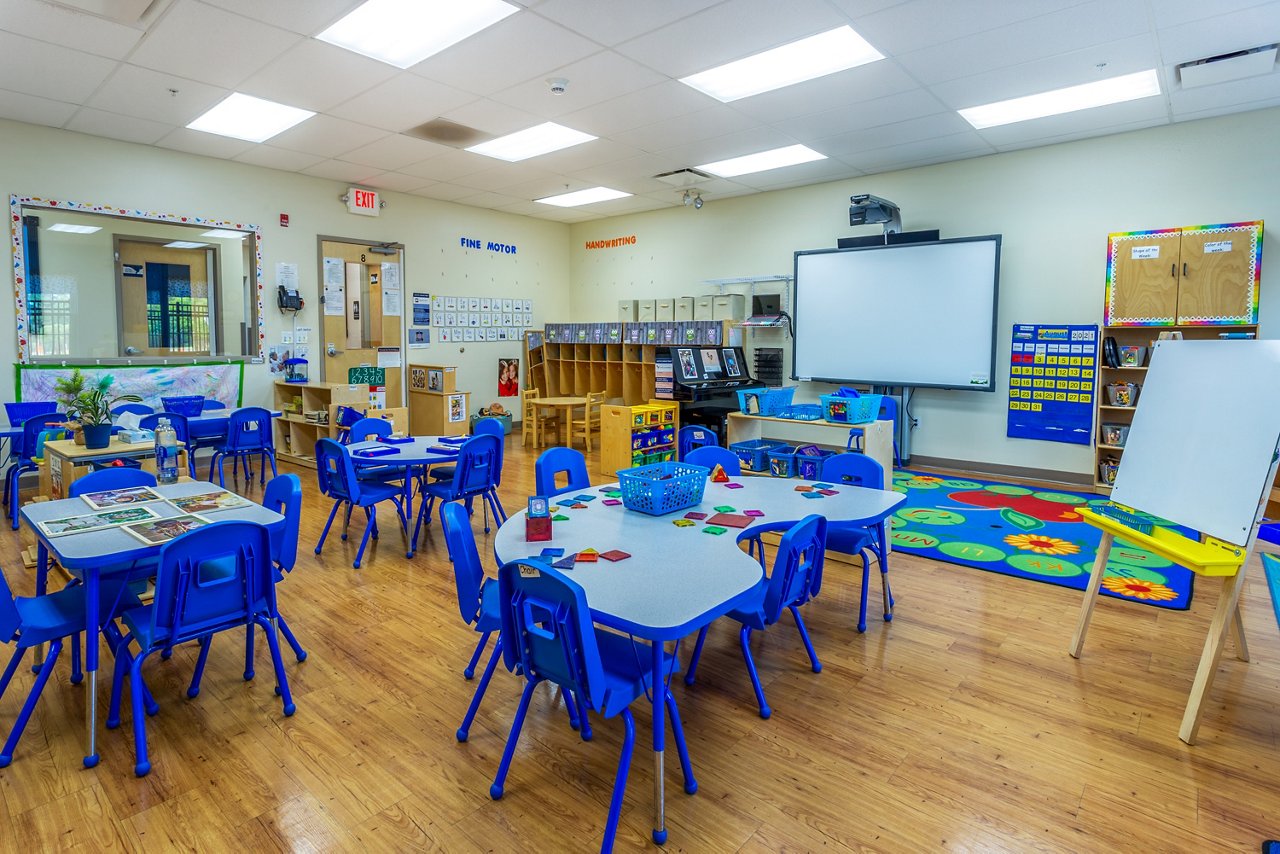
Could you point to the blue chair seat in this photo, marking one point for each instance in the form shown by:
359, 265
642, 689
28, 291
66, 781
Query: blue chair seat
60, 614
627, 673
490, 617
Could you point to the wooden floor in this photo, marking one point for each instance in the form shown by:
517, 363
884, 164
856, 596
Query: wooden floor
963, 725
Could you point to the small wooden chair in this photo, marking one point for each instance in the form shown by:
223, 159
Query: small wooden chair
590, 420
533, 421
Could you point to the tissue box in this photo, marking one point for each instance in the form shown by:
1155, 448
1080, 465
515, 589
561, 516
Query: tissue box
136, 437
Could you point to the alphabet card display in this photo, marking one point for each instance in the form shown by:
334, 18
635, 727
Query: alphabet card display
476, 319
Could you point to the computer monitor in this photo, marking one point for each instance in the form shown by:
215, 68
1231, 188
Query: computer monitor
766, 305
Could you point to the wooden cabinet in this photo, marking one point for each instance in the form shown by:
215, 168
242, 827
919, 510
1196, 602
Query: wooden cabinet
439, 414
310, 412
637, 435
1191, 276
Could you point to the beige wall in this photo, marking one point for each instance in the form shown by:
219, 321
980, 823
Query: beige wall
1054, 206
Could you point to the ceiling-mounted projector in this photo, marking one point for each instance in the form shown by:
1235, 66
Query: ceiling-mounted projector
866, 209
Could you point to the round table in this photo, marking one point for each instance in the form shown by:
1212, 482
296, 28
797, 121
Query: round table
419, 452
564, 407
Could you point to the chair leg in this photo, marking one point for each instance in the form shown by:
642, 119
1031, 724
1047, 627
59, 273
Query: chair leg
465, 729
575, 717
369, 528
346, 520
886, 592
765, 711
495, 790
248, 652
282, 678
804, 636
332, 514
14, 661
198, 674
584, 722
862, 602
124, 660
6, 755
470, 669
697, 655
298, 651
77, 672
620, 782
142, 766
682, 747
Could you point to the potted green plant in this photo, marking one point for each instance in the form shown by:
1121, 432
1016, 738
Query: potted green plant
90, 405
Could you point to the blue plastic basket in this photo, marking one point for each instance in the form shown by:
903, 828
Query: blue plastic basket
782, 461
809, 466
754, 453
189, 405
765, 401
850, 410
662, 488
802, 412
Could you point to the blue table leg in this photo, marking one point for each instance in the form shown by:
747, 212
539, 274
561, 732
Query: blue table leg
91, 664
659, 734
882, 534
42, 585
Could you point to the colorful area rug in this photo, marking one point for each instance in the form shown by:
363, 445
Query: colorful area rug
1027, 533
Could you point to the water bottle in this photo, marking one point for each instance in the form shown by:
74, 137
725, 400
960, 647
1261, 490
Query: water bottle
166, 452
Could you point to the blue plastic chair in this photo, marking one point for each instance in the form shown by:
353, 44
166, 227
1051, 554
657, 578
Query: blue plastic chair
248, 435
711, 455
51, 618
179, 424
547, 632
692, 437
210, 403
135, 408
18, 413
25, 458
888, 412
283, 495
364, 430
113, 478
554, 462
796, 578
476, 476
209, 581
337, 477
492, 427
858, 470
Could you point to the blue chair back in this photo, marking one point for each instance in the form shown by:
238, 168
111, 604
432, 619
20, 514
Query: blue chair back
889, 411
177, 421
211, 404
478, 467
114, 478
365, 428
547, 630
18, 413
468, 574
210, 579
853, 470
284, 495
249, 429
797, 568
188, 405
136, 408
10, 619
710, 455
555, 461
336, 472
492, 427
690, 438
31, 433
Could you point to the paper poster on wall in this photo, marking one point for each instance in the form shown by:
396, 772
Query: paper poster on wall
390, 276
390, 303
388, 357
287, 275
419, 337
457, 408
421, 309
508, 377
335, 297
1052, 374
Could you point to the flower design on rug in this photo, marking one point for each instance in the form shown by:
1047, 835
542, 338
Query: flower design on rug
1136, 588
1041, 544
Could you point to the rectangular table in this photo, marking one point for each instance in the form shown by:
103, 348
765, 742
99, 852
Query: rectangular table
94, 554
65, 461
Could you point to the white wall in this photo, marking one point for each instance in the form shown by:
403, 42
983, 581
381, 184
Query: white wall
1054, 206
57, 164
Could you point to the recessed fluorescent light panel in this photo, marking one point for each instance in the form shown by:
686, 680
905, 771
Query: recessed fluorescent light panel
522, 145
405, 32
807, 59
225, 233
762, 161
74, 229
248, 118
583, 197
184, 244
1130, 87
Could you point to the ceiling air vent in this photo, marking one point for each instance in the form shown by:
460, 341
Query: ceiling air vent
1228, 66
449, 133
682, 178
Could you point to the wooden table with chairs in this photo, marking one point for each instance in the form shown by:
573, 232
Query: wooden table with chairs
562, 409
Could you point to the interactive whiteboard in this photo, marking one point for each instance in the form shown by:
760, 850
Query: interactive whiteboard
917, 314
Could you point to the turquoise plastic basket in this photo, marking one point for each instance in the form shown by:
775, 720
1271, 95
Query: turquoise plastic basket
765, 401
662, 488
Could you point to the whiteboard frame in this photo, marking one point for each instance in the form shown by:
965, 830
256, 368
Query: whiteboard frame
989, 386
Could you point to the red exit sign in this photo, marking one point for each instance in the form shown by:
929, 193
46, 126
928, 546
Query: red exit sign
363, 202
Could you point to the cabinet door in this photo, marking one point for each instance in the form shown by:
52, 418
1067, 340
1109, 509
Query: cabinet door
1219, 272
1142, 278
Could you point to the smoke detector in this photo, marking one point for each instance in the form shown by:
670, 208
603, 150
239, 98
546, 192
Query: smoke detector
683, 179
558, 85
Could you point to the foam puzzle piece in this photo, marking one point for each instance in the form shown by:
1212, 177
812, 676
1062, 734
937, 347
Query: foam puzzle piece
584, 497
732, 485
564, 563
804, 489
829, 491
731, 520
823, 485
588, 556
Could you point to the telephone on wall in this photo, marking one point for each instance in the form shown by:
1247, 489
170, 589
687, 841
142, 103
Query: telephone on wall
288, 300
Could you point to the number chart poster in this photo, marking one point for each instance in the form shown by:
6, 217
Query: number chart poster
1052, 372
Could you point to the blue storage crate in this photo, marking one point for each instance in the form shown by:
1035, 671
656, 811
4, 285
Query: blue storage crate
754, 453
662, 488
765, 401
117, 463
802, 412
862, 409
189, 405
809, 466
782, 461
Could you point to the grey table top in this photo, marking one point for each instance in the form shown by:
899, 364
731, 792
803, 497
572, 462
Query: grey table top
416, 453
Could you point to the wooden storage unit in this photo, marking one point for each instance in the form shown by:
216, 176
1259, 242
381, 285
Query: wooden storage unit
66, 462
637, 435
877, 437
435, 414
295, 434
535, 371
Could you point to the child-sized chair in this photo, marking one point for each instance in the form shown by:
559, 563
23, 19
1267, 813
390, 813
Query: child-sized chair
554, 462
692, 437
248, 435
713, 455
842, 537
337, 479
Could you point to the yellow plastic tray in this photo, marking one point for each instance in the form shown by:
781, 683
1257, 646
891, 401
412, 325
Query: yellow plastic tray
1212, 557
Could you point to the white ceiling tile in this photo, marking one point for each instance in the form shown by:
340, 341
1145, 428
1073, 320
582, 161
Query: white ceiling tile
585, 156
611, 23
452, 164
636, 109
1170, 13
116, 126
1083, 133
147, 94
203, 43
957, 146
912, 130
480, 64
396, 182
632, 175
1095, 120
492, 117
817, 172
69, 28
308, 17
405, 101
1249, 90
868, 114
729, 31
749, 141
597, 78
338, 170
278, 158
316, 76
504, 176
205, 144
1064, 31
1224, 33
859, 10
393, 152
550, 184
326, 136
33, 110
864, 83
443, 191
49, 71
488, 200
905, 27
711, 122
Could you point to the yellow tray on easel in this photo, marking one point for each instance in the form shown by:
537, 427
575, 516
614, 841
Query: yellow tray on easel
1213, 557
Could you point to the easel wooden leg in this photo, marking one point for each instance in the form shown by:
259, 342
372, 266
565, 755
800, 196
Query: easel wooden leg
1091, 593
1237, 626
1222, 622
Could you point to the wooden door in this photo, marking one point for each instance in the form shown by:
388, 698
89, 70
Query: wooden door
1218, 274
1142, 278
363, 326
